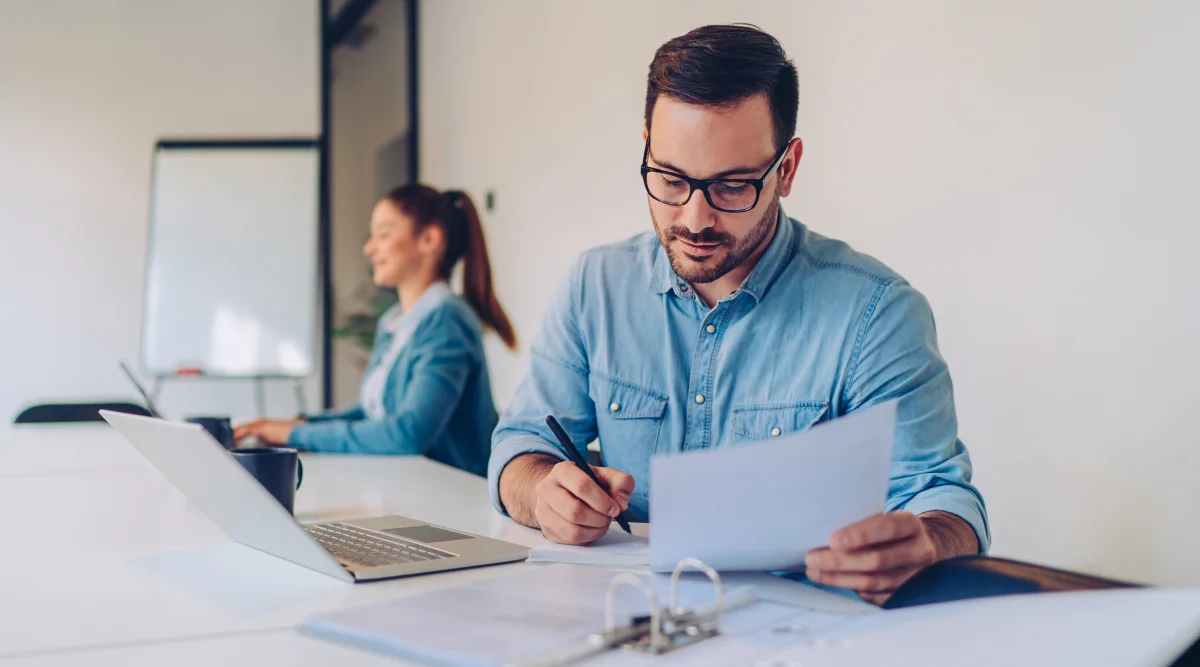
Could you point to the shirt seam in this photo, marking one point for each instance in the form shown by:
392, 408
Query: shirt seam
631, 385
839, 266
860, 338
560, 362
576, 309
759, 407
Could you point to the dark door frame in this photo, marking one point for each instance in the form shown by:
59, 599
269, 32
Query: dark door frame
335, 29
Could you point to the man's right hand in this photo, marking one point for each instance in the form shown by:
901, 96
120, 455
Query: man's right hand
561, 500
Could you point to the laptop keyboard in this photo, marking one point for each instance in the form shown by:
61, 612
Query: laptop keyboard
368, 548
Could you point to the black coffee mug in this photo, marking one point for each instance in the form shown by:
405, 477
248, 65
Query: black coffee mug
220, 428
278, 469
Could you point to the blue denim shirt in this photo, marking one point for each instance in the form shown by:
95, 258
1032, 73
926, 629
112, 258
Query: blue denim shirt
629, 354
437, 401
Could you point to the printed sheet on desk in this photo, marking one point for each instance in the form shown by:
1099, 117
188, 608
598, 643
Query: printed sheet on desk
616, 549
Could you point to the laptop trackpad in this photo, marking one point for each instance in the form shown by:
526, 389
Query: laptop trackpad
427, 534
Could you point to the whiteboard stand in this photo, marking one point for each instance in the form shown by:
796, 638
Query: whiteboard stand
260, 390
260, 395
301, 399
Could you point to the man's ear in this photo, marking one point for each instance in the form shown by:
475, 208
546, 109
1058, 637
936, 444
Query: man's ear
787, 168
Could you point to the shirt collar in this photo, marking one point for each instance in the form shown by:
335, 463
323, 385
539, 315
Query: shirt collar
662, 276
772, 262
396, 316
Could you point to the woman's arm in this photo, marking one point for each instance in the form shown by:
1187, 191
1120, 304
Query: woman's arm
446, 347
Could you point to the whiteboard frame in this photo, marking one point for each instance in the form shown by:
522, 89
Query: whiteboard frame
319, 361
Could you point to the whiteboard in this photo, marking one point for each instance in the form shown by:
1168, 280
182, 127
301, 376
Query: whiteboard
231, 278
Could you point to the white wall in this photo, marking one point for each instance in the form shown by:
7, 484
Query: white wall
1028, 165
85, 90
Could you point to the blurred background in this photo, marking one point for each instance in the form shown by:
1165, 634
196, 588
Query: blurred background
1029, 166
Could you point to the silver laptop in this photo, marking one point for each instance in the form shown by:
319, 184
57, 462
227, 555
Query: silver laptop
358, 550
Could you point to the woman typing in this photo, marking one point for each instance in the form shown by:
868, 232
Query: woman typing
426, 389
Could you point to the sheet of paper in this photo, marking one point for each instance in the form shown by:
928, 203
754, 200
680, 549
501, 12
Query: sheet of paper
1119, 628
616, 549
508, 620
762, 506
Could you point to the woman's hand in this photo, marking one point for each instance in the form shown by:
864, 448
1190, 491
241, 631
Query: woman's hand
272, 432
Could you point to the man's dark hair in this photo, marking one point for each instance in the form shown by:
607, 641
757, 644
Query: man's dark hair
722, 65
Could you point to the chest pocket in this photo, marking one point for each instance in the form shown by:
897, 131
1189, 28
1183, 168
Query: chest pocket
763, 422
628, 416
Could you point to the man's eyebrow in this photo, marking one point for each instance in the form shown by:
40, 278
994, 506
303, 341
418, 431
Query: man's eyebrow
736, 171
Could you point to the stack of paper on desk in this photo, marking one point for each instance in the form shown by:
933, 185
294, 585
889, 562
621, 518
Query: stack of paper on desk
762, 506
616, 549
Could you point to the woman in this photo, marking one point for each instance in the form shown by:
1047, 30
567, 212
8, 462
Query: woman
426, 389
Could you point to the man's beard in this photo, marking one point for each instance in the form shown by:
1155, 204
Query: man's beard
737, 251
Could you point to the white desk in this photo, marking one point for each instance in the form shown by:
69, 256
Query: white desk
41, 449
105, 562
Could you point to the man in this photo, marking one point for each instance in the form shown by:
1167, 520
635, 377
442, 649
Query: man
734, 323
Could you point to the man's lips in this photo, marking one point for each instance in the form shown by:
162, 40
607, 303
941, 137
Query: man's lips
698, 249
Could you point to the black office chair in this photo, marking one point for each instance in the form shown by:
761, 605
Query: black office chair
57, 413
967, 577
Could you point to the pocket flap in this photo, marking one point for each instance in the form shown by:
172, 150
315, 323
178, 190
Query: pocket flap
769, 421
621, 400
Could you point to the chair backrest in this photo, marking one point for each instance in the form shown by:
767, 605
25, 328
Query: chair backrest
50, 413
982, 576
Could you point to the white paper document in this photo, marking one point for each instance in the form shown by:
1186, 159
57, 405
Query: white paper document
616, 549
762, 506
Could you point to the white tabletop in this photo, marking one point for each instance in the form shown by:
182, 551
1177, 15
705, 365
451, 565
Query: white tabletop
41, 449
106, 563
285, 647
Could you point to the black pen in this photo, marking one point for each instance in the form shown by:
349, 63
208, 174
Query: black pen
568, 448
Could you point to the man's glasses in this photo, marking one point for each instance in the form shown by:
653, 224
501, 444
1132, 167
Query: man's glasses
729, 195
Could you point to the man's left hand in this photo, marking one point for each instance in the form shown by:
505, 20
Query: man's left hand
874, 556
272, 432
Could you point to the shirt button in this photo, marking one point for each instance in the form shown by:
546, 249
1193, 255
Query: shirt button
710, 329
775, 432
615, 406
699, 398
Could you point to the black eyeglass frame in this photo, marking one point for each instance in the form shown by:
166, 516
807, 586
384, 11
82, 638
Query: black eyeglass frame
703, 185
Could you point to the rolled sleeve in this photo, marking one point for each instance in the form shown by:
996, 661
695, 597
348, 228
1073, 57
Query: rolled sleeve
956, 500
897, 358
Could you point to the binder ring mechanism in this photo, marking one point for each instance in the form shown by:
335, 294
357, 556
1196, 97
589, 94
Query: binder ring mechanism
664, 629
